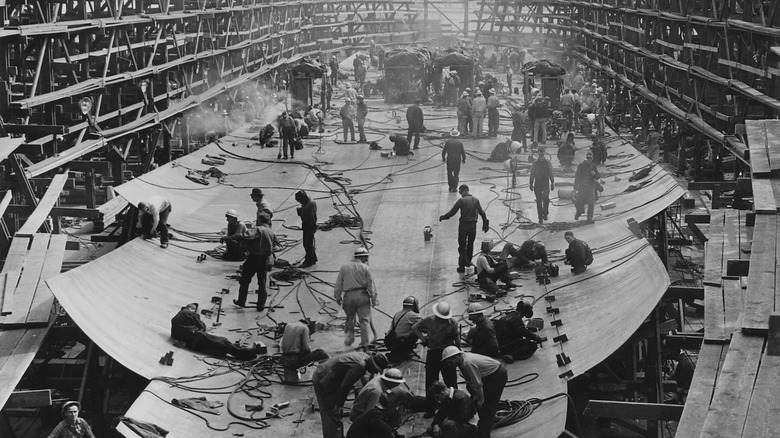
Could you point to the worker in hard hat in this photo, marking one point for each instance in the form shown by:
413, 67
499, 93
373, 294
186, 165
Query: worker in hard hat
481, 337
437, 332
355, 291
380, 420
485, 380
369, 395
153, 218
455, 413
524, 255
233, 249
71, 425
515, 341
400, 339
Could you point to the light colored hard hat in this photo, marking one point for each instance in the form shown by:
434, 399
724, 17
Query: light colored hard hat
361, 252
475, 308
231, 213
450, 351
393, 375
454, 133
442, 310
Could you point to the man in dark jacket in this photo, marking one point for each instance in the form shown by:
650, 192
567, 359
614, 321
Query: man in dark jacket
469, 208
308, 214
455, 414
585, 185
288, 132
523, 255
334, 70
187, 327
542, 173
482, 336
454, 155
376, 422
514, 339
576, 253
360, 115
348, 113
415, 119
400, 145
261, 241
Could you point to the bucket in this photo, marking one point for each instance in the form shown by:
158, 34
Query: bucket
470, 270
565, 192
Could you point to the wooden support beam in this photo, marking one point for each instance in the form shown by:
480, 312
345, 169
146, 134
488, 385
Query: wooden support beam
43, 209
88, 213
697, 218
684, 293
29, 399
13, 128
634, 410
709, 185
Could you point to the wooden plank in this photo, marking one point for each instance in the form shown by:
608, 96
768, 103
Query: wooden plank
763, 196
733, 302
50, 198
730, 238
759, 159
713, 252
702, 387
728, 410
684, 293
760, 295
29, 399
635, 410
714, 315
9, 339
773, 144
16, 254
21, 357
9, 282
762, 419
40, 311
773, 338
25, 290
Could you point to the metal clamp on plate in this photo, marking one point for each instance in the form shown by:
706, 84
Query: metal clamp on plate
561, 339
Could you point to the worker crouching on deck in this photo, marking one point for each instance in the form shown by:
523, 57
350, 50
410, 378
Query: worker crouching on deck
153, 218
295, 347
400, 339
233, 249
455, 414
515, 340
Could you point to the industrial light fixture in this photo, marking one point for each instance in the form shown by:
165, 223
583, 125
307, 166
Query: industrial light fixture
85, 104
144, 85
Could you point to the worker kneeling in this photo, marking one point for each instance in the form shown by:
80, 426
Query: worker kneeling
187, 327
400, 339
455, 414
489, 271
524, 255
514, 339
296, 351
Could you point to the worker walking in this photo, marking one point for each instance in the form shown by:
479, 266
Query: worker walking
415, 120
454, 155
541, 181
578, 254
400, 339
233, 249
308, 214
437, 332
356, 293
333, 381
485, 380
153, 218
469, 208
262, 241
585, 186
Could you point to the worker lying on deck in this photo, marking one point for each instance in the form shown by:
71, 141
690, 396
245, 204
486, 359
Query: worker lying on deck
233, 249
522, 256
153, 218
515, 341
455, 414
187, 327
400, 339
295, 348
379, 422
71, 425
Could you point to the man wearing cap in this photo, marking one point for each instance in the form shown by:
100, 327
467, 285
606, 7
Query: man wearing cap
347, 114
308, 214
454, 155
351, 93
479, 110
515, 341
71, 425
333, 381
577, 253
369, 395
153, 218
296, 349
261, 241
233, 249
492, 108
437, 332
541, 181
585, 186
485, 380
400, 339
400, 145
355, 291
262, 205
187, 327
481, 337
380, 421
601, 110
489, 271
469, 208
522, 256
415, 120
519, 120
334, 70
288, 132
464, 112
455, 414
360, 115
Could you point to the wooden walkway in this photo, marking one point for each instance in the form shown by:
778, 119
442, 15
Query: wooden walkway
734, 391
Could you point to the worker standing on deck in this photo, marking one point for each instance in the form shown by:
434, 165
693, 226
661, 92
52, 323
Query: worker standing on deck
523, 255
541, 181
71, 425
333, 381
288, 131
415, 120
361, 113
485, 380
400, 339
262, 205
469, 208
355, 291
308, 214
233, 249
153, 218
585, 185
492, 108
348, 114
479, 111
578, 254
464, 112
334, 70
262, 241
437, 332
351, 93
454, 155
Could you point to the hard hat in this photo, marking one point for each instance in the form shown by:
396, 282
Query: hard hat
442, 310
492, 91
231, 213
591, 118
450, 351
475, 308
361, 252
348, 100
393, 375
454, 133
410, 301
349, 85
380, 361
464, 94
67, 405
516, 145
